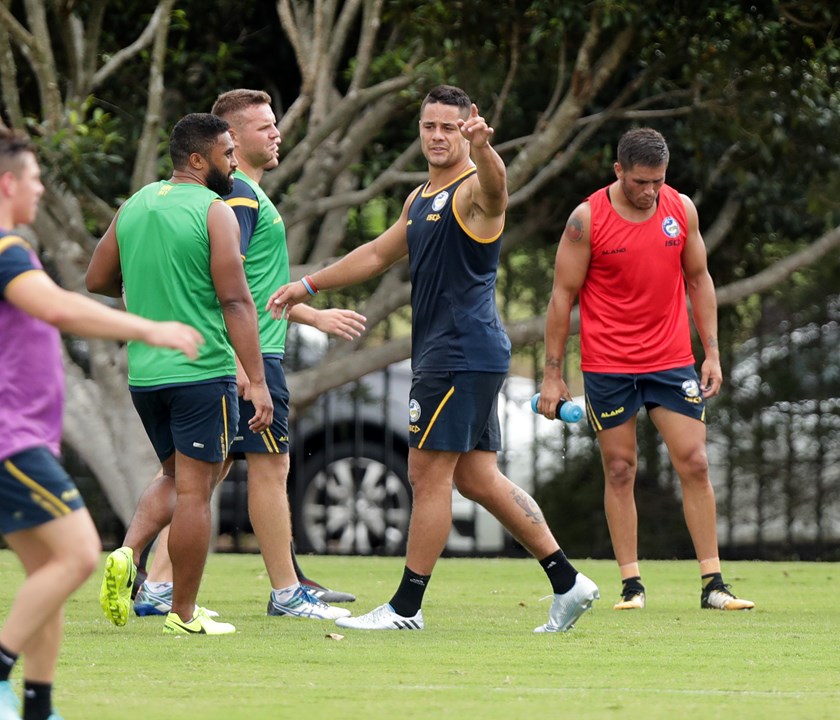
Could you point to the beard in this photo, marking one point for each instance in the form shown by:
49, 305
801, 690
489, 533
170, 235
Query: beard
219, 182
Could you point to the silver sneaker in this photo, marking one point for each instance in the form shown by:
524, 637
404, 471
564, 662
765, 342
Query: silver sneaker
382, 618
568, 607
303, 604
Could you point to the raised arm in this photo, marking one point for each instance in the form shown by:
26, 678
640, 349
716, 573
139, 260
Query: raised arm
570, 267
701, 292
482, 199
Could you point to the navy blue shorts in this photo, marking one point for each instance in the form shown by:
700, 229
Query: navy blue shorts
456, 411
34, 489
197, 420
613, 398
276, 438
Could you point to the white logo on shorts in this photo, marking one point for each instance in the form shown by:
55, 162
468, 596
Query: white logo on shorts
198, 445
691, 388
440, 200
413, 410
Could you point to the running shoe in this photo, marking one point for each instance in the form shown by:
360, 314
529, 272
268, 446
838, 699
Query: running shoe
567, 607
719, 597
115, 593
9, 702
382, 618
631, 599
199, 624
325, 594
303, 604
151, 603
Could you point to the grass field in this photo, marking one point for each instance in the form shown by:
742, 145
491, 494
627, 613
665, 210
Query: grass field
477, 657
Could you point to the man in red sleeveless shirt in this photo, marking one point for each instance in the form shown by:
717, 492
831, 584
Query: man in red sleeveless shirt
629, 251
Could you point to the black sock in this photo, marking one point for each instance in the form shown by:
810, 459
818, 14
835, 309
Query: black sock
632, 584
560, 572
409, 596
712, 580
37, 700
7, 662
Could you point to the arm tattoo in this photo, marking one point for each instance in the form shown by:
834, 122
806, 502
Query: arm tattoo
526, 502
574, 229
713, 343
553, 362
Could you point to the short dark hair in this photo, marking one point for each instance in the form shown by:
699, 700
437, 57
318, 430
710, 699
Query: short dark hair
234, 101
448, 95
194, 133
642, 146
13, 144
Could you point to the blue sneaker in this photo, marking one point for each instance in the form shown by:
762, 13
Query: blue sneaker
9, 702
148, 603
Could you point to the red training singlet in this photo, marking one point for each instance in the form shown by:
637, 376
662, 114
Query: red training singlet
633, 311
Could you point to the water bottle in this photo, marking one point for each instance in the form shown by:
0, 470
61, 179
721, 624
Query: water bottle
566, 410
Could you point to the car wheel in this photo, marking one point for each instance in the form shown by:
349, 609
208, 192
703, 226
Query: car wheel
354, 505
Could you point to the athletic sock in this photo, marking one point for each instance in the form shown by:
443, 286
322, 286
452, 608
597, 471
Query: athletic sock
159, 588
37, 700
712, 580
409, 596
7, 662
632, 584
282, 595
560, 572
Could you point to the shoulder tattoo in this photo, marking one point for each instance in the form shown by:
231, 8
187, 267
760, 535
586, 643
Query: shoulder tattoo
574, 229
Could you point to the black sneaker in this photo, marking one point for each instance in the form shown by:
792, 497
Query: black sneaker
632, 595
325, 594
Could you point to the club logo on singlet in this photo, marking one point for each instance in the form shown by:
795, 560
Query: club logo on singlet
670, 227
440, 200
413, 411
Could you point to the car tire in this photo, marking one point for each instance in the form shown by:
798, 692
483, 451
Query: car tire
352, 505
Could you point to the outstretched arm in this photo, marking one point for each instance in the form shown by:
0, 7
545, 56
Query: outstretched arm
366, 261
342, 323
37, 295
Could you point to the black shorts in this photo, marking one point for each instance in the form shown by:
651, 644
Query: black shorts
276, 438
613, 398
34, 489
455, 411
198, 420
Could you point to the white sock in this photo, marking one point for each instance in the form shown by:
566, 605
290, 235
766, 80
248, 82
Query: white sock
283, 595
158, 588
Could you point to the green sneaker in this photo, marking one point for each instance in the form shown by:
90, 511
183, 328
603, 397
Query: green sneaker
199, 624
115, 593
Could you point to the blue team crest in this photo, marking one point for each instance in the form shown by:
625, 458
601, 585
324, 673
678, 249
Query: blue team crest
413, 410
670, 227
440, 200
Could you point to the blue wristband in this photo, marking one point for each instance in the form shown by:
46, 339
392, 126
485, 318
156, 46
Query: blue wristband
308, 287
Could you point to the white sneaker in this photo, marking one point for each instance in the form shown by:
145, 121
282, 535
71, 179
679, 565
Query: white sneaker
568, 607
382, 618
303, 604
9, 702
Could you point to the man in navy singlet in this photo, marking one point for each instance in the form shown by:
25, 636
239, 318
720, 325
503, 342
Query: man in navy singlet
450, 229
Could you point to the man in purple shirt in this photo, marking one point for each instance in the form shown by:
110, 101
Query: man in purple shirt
42, 515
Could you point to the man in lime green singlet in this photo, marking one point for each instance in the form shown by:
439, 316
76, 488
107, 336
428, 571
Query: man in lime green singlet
174, 247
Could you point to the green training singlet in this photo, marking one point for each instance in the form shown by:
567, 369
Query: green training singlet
263, 248
165, 257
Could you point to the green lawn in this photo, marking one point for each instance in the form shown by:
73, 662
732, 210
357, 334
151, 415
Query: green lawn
477, 658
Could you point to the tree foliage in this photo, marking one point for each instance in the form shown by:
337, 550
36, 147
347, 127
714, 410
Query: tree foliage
746, 94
